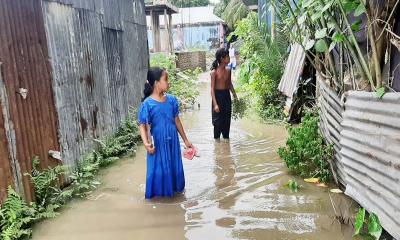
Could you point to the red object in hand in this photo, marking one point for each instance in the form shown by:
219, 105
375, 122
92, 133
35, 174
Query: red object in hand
189, 153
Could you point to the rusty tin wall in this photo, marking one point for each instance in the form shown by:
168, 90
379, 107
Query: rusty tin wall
6, 176
370, 153
331, 111
29, 124
99, 57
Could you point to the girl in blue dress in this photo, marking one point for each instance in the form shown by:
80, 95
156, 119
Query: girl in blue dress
159, 125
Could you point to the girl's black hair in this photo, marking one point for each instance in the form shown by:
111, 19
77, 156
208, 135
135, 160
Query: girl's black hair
153, 74
219, 55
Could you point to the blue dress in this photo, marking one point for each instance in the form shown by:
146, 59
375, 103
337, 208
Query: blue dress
165, 174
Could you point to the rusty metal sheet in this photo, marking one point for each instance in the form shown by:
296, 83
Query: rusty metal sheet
69, 98
370, 153
98, 72
331, 111
77, 57
293, 70
23, 52
6, 178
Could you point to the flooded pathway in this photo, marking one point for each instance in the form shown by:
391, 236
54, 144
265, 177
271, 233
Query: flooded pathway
235, 190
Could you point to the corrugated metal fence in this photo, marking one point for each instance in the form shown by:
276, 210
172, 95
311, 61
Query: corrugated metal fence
370, 152
99, 65
29, 115
366, 138
331, 110
82, 63
293, 70
6, 175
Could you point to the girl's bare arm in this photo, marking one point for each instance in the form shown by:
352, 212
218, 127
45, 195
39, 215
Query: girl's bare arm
181, 131
143, 134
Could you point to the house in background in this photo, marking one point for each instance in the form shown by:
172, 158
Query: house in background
192, 28
155, 10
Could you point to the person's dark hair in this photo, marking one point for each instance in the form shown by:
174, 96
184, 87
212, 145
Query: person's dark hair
153, 74
219, 55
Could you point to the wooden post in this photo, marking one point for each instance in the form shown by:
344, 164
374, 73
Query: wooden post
166, 27
170, 26
155, 27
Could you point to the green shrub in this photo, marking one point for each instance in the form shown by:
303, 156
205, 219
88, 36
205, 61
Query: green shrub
367, 228
48, 193
262, 66
182, 83
15, 217
305, 153
239, 108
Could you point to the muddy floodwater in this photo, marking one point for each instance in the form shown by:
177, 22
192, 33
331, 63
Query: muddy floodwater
234, 190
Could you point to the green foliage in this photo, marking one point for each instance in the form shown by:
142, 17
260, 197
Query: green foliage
83, 177
220, 7
234, 11
321, 26
48, 193
293, 185
359, 221
231, 11
368, 229
47, 187
17, 217
263, 66
380, 92
164, 61
239, 108
374, 226
305, 153
182, 83
109, 150
184, 87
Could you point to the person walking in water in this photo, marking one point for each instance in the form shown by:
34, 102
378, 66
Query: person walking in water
232, 56
159, 126
221, 86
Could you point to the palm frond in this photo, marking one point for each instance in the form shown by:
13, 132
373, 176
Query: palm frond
234, 12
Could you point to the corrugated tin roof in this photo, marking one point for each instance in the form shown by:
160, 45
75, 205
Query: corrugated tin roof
293, 70
370, 153
192, 16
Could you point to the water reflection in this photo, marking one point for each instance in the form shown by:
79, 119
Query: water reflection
224, 170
